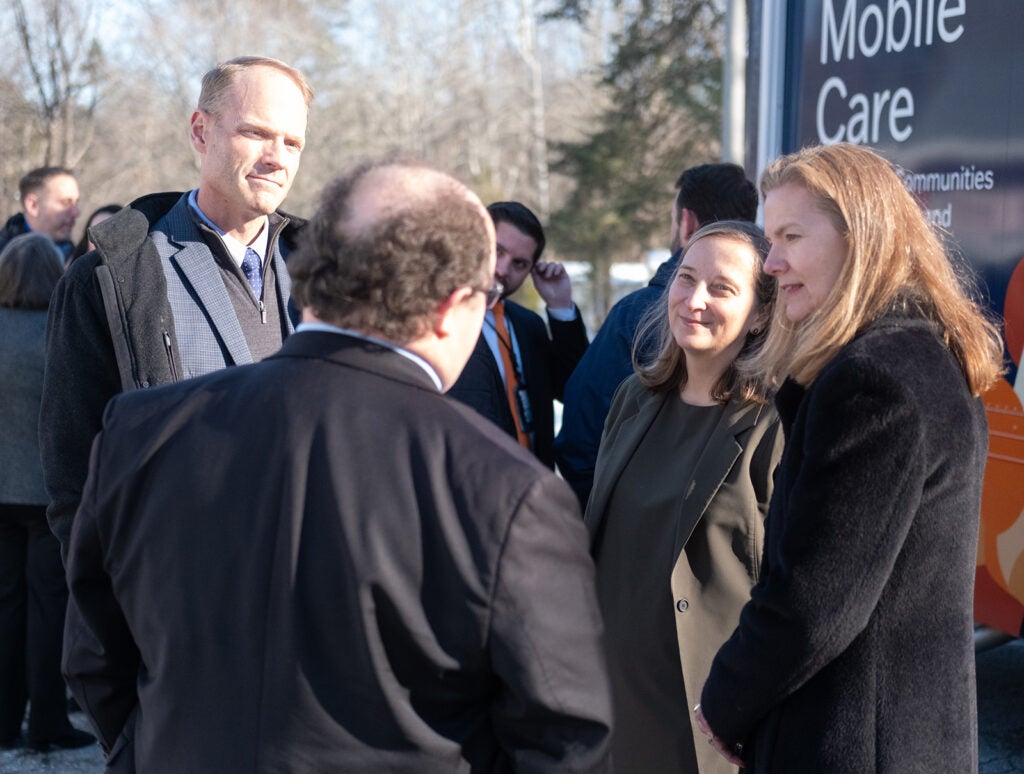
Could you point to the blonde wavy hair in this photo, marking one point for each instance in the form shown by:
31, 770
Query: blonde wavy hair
667, 368
894, 260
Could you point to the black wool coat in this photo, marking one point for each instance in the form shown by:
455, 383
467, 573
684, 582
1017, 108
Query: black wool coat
854, 653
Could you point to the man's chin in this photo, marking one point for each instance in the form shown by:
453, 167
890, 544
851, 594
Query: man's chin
266, 202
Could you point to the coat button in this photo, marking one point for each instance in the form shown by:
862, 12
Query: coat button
682, 605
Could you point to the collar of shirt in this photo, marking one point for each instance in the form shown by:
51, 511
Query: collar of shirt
328, 328
490, 335
235, 248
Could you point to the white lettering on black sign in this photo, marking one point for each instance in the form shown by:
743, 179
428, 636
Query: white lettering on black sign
863, 30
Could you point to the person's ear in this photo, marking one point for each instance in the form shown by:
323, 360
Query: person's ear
446, 318
688, 225
760, 321
198, 126
31, 204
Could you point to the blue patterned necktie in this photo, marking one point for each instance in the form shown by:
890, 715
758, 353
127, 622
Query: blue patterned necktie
253, 271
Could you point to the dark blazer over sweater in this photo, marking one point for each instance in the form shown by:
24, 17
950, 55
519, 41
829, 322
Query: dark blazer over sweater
855, 651
112, 328
547, 363
356, 574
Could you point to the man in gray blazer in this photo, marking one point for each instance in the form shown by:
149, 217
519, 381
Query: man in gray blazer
180, 284
356, 573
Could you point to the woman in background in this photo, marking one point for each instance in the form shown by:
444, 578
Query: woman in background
33, 593
85, 244
682, 483
855, 652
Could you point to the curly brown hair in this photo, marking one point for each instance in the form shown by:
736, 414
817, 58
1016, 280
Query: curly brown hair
390, 242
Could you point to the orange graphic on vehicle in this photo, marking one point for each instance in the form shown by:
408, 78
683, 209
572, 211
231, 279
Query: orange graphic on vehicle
999, 592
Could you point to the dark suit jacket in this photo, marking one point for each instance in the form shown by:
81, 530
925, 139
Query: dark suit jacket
547, 363
855, 652
719, 526
318, 563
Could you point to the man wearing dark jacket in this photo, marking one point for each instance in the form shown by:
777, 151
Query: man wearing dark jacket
705, 194
179, 284
519, 366
49, 203
358, 574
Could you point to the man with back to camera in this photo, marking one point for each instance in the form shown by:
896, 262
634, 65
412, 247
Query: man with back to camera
705, 194
361, 575
49, 204
518, 368
179, 284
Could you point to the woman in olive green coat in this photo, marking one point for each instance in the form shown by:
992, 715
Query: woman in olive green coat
682, 484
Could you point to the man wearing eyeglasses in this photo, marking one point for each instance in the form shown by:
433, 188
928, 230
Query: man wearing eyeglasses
319, 563
520, 365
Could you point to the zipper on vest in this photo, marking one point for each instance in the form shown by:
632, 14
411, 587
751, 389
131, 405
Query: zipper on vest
263, 313
170, 356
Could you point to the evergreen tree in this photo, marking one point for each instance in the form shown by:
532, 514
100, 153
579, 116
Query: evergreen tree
664, 83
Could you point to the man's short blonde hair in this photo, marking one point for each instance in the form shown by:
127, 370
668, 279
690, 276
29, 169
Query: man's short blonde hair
218, 80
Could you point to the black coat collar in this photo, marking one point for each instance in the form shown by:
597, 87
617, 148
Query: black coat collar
353, 352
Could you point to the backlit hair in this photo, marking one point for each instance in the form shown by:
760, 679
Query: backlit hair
218, 80
894, 260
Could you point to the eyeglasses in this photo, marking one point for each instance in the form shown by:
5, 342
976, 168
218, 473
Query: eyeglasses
492, 294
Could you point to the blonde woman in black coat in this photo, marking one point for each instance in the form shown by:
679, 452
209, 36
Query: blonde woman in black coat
855, 651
